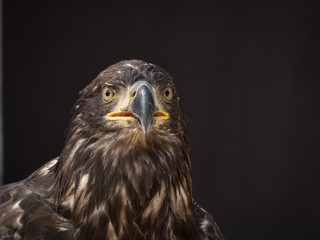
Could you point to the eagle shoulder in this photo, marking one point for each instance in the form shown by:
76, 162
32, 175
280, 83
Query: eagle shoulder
26, 211
208, 229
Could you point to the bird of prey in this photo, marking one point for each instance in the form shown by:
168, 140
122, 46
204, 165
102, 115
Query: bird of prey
124, 172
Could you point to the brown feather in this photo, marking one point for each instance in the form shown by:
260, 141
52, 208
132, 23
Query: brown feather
110, 181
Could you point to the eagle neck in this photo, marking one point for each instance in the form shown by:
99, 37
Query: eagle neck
127, 186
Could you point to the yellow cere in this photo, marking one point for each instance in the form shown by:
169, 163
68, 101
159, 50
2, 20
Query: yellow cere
127, 116
120, 115
120, 118
160, 115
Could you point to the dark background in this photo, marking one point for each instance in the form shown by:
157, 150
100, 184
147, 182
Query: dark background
248, 75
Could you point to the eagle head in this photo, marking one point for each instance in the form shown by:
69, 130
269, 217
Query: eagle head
136, 99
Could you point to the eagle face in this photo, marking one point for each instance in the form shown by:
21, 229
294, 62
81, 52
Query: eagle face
135, 99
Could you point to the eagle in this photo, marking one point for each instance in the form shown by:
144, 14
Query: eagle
124, 171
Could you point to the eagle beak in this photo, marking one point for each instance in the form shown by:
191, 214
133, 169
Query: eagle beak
143, 106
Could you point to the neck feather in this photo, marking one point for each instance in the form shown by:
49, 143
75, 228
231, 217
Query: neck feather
127, 184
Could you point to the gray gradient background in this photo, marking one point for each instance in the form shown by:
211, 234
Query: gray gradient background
248, 74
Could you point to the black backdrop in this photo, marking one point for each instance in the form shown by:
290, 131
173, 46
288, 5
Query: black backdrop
248, 75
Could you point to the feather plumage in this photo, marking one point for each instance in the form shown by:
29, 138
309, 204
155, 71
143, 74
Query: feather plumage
112, 180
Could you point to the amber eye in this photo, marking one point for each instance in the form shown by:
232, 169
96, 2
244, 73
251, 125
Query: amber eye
107, 94
168, 93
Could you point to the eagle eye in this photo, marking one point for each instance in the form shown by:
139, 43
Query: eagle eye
168, 93
107, 94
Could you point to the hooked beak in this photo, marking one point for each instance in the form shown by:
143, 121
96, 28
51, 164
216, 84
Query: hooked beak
141, 108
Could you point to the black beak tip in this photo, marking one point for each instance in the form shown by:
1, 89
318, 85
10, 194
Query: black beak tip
145, 132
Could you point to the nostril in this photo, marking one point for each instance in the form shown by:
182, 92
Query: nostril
133, 93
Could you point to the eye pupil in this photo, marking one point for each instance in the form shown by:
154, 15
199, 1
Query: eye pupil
107, 94
168, 93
